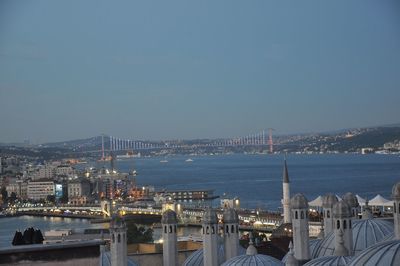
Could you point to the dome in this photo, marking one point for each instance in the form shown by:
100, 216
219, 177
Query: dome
313, 243
386, 253
169, 217
330, 261
329, 200
197, 257
230, 216
299, 202
350, 199
105, 260
253, 260
117, 222
365, 234
341, 210
210, 217
396, 191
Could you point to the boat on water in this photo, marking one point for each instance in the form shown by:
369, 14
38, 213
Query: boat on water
128, 155
163, 161
188, 160
133, 172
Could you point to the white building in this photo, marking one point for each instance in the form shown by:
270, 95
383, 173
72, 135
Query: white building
40, 189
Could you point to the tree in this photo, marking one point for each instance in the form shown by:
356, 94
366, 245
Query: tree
51, 198
4, 194
137, 234
13, 197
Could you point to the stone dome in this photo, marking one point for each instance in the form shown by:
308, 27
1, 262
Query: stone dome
385, 253
341, 210
210, 217
351, 199
330, 261
197, 257
253, 260
230, 216
117, 222
105, 260
299, 201
396, 191
329, 200
169, 217
365, 234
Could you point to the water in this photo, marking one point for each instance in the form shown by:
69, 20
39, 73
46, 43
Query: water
255, 179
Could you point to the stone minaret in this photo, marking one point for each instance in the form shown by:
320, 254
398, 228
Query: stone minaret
327, 203
286, 195
231, 233
210, 237
352, 201
299, 205
396, 209
342, 215
118, 241
170, 249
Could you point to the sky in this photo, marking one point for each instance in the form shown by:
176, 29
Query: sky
195, 69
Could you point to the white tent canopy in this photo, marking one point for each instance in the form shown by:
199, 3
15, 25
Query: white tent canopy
316, 202
360, 200
380, 201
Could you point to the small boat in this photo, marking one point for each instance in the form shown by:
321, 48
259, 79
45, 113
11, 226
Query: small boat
189, 160
133, 173
163, 161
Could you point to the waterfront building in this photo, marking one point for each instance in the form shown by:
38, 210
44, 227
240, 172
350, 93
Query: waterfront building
40, 189
19, 187
78, 191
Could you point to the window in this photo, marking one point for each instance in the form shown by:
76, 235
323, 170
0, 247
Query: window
113, 238
227, 229
344, 224
232, 229
302, 215
170, 228
328, 214
337, 224
165, 229
119, 238
207, 230
394, 208
296, 216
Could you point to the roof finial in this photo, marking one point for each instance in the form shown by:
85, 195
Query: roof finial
340, 249
251, 249
291, 260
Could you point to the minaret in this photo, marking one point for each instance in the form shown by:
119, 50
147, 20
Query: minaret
342, 215
396, 209
231, 233
352, 201
299, 205
328, 201
210, 237
118, 241
170, 249
286, 195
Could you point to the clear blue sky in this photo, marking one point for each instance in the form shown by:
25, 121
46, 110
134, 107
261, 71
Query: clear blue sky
195, 69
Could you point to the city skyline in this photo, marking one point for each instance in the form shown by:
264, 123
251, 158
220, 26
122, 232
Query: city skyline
182, 70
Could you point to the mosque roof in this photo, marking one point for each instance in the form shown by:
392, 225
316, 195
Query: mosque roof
396, 191
330, 261
299, 201
197, 257
329, 200
341, 210
169, 217
252, 260
385, 253
230, 216
365, 234
105, 260
351, 199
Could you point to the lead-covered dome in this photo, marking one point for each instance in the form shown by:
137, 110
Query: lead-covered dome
350, 199
365, 234
299, 201
253, 260
230, 216
386, 253
329, 200
169, 217
197, 257
330, 261
341, 210
396, 191
210, 216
